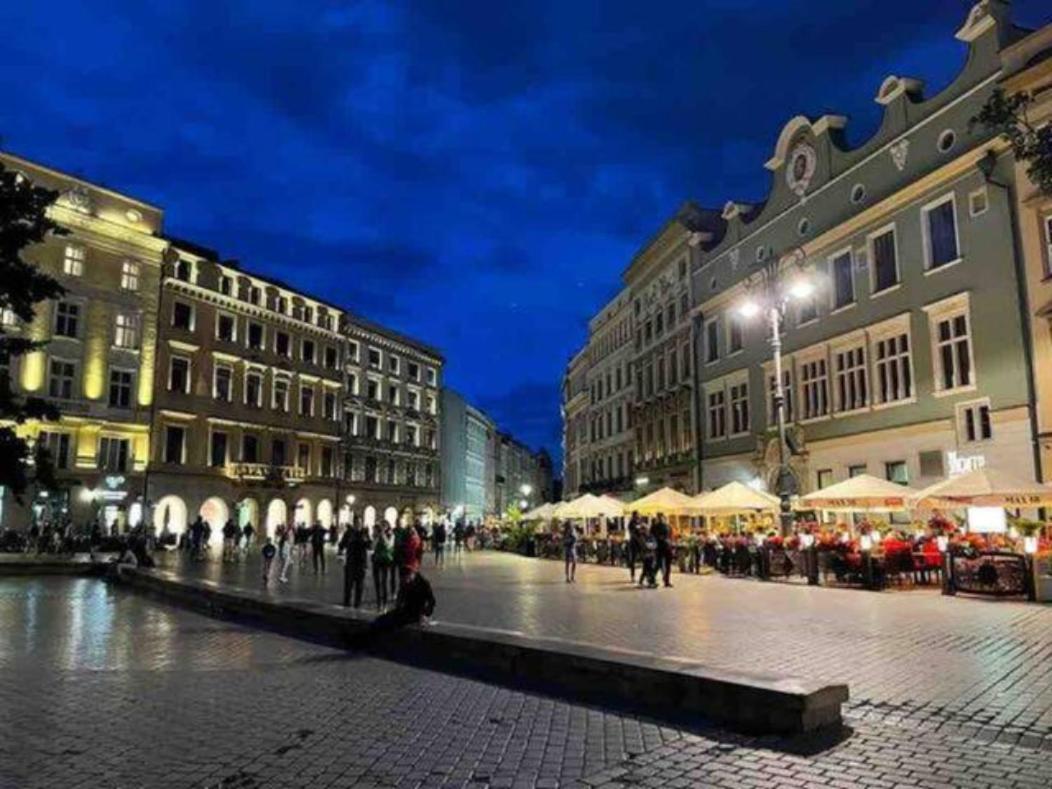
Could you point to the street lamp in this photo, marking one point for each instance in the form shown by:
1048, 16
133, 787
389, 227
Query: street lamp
526, 490
779, 282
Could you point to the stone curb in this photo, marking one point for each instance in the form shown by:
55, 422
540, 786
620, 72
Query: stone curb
668, 688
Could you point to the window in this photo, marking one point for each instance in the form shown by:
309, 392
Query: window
281, 344
182, 316
226, 327
329, 405
978, 202
851, 390
331, 358
67, 319
281, 395
823, 478
857, 470
393, 395
392, 432
787, 395
255, 295
281, 305
414, 400
73, 260
352, 383
61, 375
217, 453
126, 331
277, 452
814, 382
350, 422
303, 457
174, 444
843, 280
352, 351
717, 415
57, 445
372, 427
893, 369
885, 259
255, 336
372, 390
179, 374
226, 284
973, 422
413, 370
739, 408
432, 376
184, 270
896, 471
254, 388
953, 357
392, 363
326, 461
129, 275
222, 383
307, 351
807, 310
734, 333
659, 324
940, 232
412, 435
374, 359
120, 395
249, 448
712, 344
306, 401
113, 453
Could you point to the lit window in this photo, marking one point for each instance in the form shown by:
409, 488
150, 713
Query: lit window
126, 331
129, 275
73, 260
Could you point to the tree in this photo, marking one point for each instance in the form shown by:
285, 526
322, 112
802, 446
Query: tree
23, 223
1032, 145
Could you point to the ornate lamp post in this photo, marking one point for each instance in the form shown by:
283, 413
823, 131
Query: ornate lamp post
769, 292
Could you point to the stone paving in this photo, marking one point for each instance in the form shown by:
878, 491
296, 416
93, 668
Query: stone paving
951, 664
103, 688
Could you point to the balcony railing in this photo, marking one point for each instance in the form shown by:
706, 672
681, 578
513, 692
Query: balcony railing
267, 472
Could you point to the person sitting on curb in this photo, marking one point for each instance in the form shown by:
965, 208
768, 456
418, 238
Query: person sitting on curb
414, 606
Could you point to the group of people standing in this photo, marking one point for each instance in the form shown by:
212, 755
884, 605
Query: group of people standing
649, 547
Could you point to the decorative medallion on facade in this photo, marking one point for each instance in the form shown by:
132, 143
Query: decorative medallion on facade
900, 152
79, 199
801, 170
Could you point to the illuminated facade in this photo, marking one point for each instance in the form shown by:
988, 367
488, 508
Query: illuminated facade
248, 413
392, 413
97, 366
576, 423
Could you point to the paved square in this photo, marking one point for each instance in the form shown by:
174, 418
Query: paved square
951, 664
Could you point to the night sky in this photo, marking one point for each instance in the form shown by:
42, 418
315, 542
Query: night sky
476, 174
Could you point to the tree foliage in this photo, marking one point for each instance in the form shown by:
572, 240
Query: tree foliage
1032, 145
24, 222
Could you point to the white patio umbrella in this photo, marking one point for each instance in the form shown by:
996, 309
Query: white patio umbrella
544, 512
591, 506
863, 493
734, 498
985, 487
666, 502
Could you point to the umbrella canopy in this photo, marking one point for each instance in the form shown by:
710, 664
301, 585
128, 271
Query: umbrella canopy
734, 497
590, 506
665, 501
863, 492
985, 487
542, 513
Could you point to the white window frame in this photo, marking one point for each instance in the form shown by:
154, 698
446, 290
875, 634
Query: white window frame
189, 372
882, 332
733, 318
871, 260
926, 209
79, 319
73, 389
313, 400
282, 407
193, 314
74, 256
215, 383
233, 334
984, 194
714, 322
835, 308
947, 309
130, 272
976, 406
253, 371
849, 344
802, 361
730, 383
716, 388
182, 447
211, 447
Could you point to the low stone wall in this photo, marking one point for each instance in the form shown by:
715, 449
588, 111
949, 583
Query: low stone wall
667, 688
45, 564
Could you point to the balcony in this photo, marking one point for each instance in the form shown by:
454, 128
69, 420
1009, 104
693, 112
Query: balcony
268, 473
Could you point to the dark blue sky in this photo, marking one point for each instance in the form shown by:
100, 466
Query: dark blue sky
474, 173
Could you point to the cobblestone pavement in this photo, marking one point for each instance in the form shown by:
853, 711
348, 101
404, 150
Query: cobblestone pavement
102, 688
948, 664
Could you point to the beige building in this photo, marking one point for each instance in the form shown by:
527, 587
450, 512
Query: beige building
391, 424
575, 414
97, 365
248, 410
1027, 68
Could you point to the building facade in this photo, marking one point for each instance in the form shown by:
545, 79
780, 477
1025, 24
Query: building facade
391, 424
522, 478
467, 434
98, 363
908, 360
190, 386
248, 407
576, 402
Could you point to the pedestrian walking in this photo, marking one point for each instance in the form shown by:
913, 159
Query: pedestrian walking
248, 532
383, 564
662, 535
355, 547
438, 541
570, 551
230, 534
317, 544
268, 551
286, 550
635, 545
458, 538
648, 570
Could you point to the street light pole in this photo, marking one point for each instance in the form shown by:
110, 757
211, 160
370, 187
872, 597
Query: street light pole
786, 513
